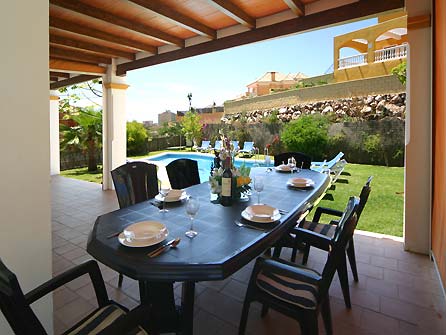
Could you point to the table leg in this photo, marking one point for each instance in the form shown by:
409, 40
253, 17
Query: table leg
187, 304
164, 317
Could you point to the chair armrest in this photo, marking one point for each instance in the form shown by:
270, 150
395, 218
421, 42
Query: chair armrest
291, 270
314, 239
325, 210
125, 323
90, 267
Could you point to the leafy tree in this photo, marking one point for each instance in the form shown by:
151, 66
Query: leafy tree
172, 129
85, 134
137, 139
307, 134
400, 72
191, 126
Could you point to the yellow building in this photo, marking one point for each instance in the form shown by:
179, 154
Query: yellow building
274, 81
380, 48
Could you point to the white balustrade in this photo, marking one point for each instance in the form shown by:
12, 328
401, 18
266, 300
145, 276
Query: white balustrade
351, 61
396, 52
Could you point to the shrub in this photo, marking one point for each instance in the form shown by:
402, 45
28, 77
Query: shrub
372, 145
308, 134
136, 139
400, 72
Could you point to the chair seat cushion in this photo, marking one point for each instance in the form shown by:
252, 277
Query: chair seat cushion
295, 291
320, 228
100, 319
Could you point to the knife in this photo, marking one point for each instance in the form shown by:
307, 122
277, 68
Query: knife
165, 245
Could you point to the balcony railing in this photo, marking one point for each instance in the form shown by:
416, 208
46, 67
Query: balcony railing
350, 61
399, 51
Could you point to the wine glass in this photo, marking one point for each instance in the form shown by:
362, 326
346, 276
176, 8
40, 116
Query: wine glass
192, 207
258, 186
164, 192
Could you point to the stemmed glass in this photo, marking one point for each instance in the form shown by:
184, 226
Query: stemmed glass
258, 186
164, 192
192, 207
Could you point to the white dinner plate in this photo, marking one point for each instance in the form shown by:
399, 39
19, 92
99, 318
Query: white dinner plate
261, 214
283, 168
146, 233
300, 182
177, 196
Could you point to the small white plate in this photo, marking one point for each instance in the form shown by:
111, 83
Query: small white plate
265, 214
283, 168
174, 198
155, 231
300, 182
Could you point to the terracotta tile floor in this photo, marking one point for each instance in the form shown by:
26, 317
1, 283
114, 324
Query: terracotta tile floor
398, 292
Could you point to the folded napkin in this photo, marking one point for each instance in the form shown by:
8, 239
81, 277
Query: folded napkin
261, 212
174, 195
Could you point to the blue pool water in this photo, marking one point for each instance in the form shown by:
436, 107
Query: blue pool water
204, 162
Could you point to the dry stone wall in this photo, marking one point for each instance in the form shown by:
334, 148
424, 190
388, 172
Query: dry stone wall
363, 108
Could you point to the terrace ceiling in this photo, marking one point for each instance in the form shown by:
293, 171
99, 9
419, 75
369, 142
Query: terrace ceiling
85, 35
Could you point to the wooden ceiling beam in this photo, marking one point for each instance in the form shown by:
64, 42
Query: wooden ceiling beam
296, 6
59, 74
83, 30
332, 16
99, 14
70, 66
72, 81
235, 12
54, 78
77, 44
78, 56
177, 17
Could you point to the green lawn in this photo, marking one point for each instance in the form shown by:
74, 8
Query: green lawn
382, 214
384, 210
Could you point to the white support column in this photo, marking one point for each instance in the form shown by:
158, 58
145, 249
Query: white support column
114, 133
418, 176
54, 134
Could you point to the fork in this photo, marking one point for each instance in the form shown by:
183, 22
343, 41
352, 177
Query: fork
238, 223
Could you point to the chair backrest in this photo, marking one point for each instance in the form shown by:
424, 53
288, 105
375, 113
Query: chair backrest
235, 144
135, 182
13, 304
217, 145
248, 146
364, 196
205, 144
302, 160
343, 234
336, 159
183, 173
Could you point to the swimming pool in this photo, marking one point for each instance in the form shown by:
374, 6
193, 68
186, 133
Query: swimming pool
204, 161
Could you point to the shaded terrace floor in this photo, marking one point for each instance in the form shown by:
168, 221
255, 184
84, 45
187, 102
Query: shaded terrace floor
397, 293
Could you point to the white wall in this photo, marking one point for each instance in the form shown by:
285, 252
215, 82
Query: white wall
54, 134
418, 134
25, 222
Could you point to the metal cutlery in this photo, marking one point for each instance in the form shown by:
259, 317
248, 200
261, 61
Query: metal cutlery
238, 223
158, 251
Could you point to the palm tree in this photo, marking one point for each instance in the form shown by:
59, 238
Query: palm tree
85, 135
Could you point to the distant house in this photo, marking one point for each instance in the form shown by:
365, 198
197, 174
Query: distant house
274, 81
208, 115
148, 123
166, 117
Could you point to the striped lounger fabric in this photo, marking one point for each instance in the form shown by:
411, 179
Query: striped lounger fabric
320, 228
295, 291
100, 319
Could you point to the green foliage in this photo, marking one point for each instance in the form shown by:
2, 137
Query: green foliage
307, 134
137, 138
273, 118
85, 134
240, 132
373, 146
400, 72
191, 126
172, 129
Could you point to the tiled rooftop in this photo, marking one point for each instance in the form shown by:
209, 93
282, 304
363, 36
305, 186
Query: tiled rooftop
398, 292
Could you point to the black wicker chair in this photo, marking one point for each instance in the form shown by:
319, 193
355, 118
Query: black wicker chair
183, 173
296, 291
134, 182
109, 318
302, 160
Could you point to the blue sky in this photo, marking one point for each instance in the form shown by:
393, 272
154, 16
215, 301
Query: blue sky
223, 75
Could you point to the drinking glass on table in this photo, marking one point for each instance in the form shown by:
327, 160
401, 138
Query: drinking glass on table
258, 186
164, 192
192, 207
